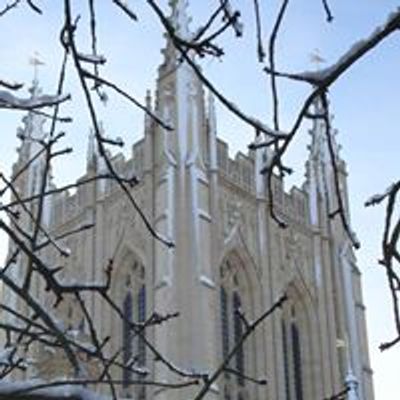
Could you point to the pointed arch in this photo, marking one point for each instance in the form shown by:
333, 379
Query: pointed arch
239, 293
235, 246
296, 336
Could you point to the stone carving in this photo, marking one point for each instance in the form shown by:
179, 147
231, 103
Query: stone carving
237, 214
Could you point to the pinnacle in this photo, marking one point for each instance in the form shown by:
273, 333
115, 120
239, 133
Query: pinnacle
179, 17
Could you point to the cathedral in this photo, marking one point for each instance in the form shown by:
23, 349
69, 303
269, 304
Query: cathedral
228, 255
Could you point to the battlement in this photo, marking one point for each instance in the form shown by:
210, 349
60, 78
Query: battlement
69, 204
240, 171
291, 205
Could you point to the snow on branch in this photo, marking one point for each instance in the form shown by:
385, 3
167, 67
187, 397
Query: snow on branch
390, 259
328, 75
92, 58
379, 197
9, 100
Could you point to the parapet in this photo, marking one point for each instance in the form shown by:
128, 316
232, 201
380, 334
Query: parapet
240, 171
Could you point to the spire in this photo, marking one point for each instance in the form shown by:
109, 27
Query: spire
32, 126
319, 168
180, 96
319, 144
31, 133
180, 21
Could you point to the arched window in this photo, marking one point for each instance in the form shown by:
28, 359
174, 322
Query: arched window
292, 359
134, 310
238, 332
224, 322
141, 345
286, 367
232, 288
141, 302
127, 336
297, 372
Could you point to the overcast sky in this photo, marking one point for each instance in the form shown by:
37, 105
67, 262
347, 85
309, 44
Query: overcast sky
365, 103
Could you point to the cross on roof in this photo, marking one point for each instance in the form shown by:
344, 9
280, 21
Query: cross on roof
36, 61
316, 58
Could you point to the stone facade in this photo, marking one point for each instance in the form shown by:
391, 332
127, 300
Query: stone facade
228, 253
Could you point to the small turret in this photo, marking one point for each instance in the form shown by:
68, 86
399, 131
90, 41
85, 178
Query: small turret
147, 119
212, 132
180, 99
91, 155
148, 135
94, 161
261, 157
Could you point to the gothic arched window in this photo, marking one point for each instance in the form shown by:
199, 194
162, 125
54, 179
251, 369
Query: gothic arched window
296, 351
141, 345
141, 303
232, 291
292, 360
238, 332
127, 335
134, 310
286, 367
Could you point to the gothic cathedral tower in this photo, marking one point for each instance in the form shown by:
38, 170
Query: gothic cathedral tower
229, 257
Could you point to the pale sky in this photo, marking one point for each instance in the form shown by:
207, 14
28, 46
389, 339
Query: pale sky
365, 103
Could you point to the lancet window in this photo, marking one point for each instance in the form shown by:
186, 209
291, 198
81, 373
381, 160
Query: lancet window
292, 355
232, 304
134, 311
